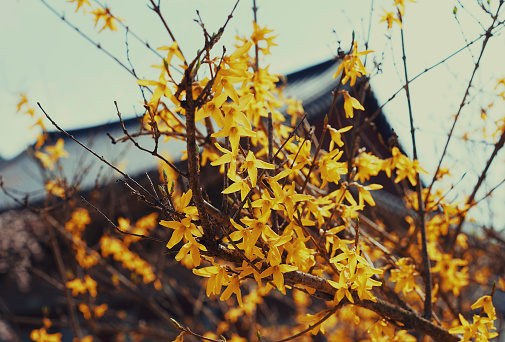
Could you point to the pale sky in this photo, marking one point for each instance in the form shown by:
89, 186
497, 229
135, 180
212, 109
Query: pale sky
77, 84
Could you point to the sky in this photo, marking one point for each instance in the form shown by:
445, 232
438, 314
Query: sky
76, 83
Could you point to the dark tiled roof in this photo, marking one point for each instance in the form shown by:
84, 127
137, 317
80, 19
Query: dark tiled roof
22, 174
313, 85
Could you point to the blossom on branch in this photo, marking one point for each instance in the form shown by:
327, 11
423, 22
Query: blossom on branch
108, 18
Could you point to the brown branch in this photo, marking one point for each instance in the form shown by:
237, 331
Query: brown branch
497, 147
62, 270
190, 106
194, 161
154, 152
256, 47
157, 10
325, 129
410, 320
428, 306
57, 284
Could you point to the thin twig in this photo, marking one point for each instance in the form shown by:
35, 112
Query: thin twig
419, 188
194, 162
140, 40
312, 326
63, 274
134, 288
94, 153
263, 171
131, 64
369, 30
189, 332
498, 146
425, 71
119, 229
157, 10
97, 45
325, 128
154, 153
487, 35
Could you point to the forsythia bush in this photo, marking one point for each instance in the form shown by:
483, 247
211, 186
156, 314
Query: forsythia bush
293, 223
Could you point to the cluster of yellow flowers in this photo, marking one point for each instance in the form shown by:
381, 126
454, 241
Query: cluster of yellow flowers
129, 259
76, 225
100, 14
282, 203
29, 110
52, 153
98, 311
41, 335
390, 17
482, 327
109, 246
237, 112
369, 165
78, 286
453, 272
